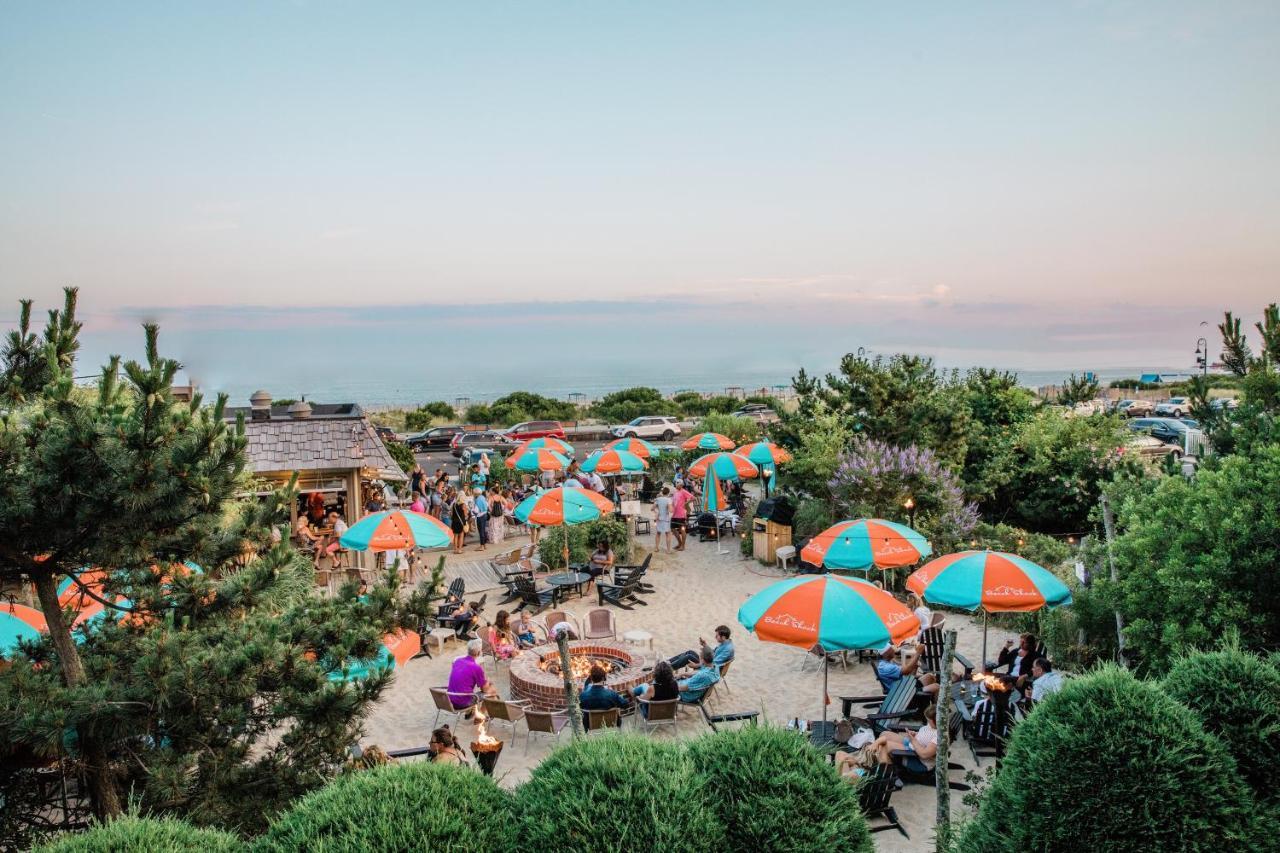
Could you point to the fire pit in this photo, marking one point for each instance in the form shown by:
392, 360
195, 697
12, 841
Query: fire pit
486, 748
535, 674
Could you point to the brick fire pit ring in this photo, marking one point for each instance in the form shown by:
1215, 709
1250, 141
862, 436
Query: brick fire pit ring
545, 690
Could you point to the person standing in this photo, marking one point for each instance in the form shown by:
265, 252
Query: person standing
497, 517
662, 508
417, 480
680, 515
459, 515
480, 510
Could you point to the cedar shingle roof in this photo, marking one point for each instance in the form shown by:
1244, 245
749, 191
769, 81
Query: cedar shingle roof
311, 444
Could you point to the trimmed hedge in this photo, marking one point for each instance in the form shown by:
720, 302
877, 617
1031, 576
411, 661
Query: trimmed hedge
1237, 697
416, 806
774, 791
1113, 763
145, 835
618, 792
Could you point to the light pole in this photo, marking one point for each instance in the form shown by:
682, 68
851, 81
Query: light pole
1202, 356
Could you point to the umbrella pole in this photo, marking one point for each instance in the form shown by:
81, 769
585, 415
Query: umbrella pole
984, 639
565, 527
825, 664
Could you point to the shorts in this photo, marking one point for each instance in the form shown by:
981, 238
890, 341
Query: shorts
678, 523
662, 526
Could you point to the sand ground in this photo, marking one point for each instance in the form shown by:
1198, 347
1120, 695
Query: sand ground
695, 590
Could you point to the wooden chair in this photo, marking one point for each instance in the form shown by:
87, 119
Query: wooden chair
724, 674
509, 711
600, 624
543, 722
600, 720
653, 715
891, 709
532, 596
874, 793
624, 595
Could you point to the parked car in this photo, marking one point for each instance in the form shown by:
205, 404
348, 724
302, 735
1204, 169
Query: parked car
1229, 404
663, 428
1119, 405
387, 434
1138, 409
534, 429
1174, 407
1150, 447
758, 412
478, 440
436, 438
1168, 430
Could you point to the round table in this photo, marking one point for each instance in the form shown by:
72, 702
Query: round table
569, 579
637, 637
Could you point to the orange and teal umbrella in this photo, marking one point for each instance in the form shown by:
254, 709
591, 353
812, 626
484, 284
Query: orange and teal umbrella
830, 612
396, 530
396, 650
19, 622
768, 456
609, 461
726, 466
548, 442
637, 446
534, 459
992, 581
561, 507
866, 543
713, 495
708, 441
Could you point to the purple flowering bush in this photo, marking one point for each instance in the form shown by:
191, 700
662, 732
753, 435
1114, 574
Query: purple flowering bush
873, 479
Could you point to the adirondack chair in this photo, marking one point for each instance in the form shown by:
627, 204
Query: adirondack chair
875, 790
990, 727
457, 590
623, 574
892, 708
927, 777
624, 595
538, 599
929, 647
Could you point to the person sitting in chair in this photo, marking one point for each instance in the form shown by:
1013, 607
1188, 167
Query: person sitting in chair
466, 618
923, 744
602, 560
693, 688
664, 687
596, 697
720, 655
466, 678
526, 634
1020, 659
1047, 680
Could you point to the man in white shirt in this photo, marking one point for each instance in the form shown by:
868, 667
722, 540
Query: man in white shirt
1047, 679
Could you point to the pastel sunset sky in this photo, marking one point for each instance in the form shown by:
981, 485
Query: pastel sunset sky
1067, 184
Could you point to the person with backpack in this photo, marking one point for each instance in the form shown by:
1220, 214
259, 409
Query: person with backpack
497, 517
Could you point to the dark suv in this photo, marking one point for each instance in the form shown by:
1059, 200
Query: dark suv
436, 438
478, 440
1168, 430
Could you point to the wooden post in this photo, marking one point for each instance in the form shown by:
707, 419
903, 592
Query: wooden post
942, 779
1109, 526
570, 690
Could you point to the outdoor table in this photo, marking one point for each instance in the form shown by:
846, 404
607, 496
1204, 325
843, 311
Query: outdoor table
637, 637
965, 694
570, 579
822, 734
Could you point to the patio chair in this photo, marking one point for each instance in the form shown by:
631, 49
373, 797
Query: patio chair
816, 651
455, 593
600, 624
892, 708
555, 617
543, 722
929, 647
601, 720
509, 711
724, 674
874, 793
657, 714
701, 704
444, 705
625, 595
532, 596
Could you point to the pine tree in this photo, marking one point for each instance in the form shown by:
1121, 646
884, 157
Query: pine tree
206, 693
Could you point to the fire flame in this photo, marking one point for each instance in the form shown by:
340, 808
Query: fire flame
579, 665
482, 736
994, 683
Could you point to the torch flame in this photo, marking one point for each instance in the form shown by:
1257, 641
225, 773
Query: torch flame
482, 736
993, 683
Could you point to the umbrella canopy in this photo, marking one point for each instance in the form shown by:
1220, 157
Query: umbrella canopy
714, 496
764, 453
533, 459
866, 543
726, 466
834, 612
396, 651
559, 506
708, 441
991, 580
614, 462
547, 442
638, 446
396, 530
19, 622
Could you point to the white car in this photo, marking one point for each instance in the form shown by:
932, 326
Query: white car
1174, 407
661, 428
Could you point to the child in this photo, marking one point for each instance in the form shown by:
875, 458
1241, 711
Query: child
525, 636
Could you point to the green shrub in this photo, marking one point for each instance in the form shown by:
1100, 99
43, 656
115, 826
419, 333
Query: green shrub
582, 541
402, 454
764, 778
426, 414
417, 806
617, 792
741, 430
1237, 697
812, 517
629, 403
1112, 763
145, 835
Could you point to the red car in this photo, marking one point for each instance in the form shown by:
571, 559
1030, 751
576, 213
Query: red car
535, 429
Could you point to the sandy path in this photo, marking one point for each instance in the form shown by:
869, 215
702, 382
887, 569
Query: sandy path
695, 591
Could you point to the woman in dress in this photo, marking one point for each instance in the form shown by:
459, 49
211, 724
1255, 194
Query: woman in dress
501, 638
497, 517
459, 515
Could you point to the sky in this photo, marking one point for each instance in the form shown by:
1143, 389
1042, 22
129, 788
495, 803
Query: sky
1034, 185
